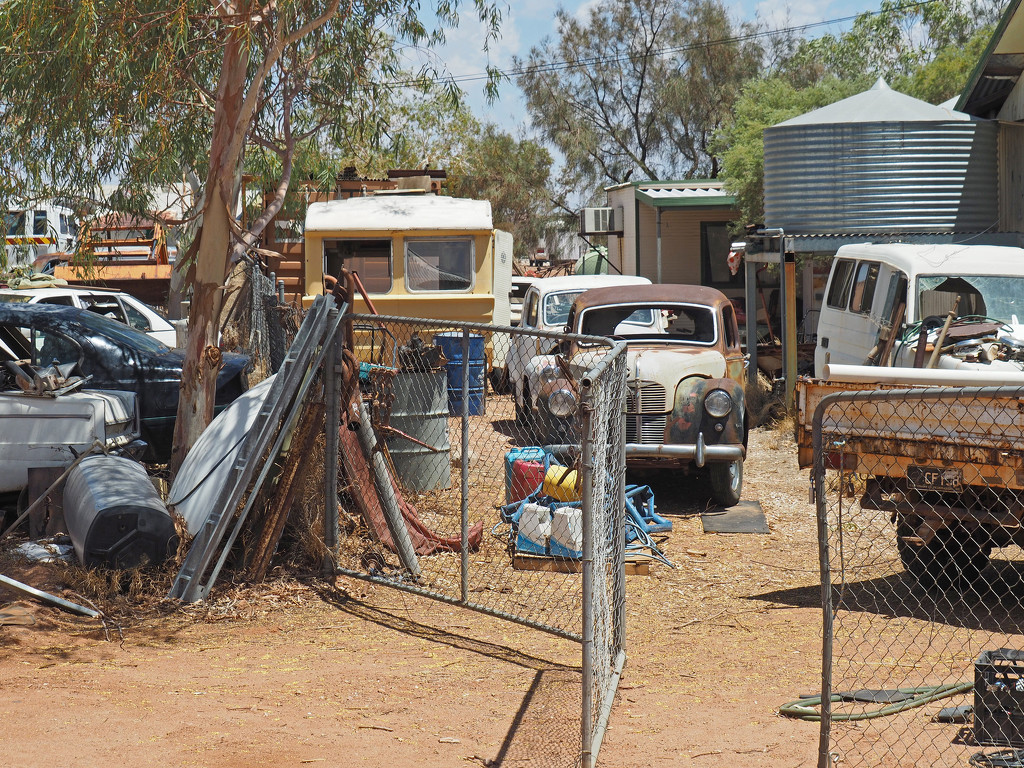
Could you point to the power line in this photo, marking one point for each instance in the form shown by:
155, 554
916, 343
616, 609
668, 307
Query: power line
560, 66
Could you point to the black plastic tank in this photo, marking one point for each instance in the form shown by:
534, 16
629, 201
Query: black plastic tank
114, 515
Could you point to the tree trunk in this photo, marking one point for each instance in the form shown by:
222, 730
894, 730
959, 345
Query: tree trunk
213, 256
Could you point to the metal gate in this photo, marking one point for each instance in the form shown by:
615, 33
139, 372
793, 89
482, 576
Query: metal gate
919, 501
467, 420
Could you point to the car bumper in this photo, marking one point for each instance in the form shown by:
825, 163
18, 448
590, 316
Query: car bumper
699, 452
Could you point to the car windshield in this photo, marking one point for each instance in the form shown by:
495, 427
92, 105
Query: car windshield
998, 297
557, 306
121, 333
15, 299
689, 323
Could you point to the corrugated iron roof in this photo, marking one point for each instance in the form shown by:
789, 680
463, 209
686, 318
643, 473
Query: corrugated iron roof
1000, 66
676, 195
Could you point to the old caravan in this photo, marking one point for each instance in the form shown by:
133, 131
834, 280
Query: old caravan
418, 255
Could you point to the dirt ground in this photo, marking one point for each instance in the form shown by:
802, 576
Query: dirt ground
305, 672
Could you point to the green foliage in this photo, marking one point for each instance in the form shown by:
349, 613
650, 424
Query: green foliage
512, 174
636, 88
125, 90
946, 75
897, 40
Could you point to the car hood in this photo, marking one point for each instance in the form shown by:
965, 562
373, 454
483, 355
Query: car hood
668, 365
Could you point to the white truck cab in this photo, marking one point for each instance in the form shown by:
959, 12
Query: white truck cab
879, 290
34, 233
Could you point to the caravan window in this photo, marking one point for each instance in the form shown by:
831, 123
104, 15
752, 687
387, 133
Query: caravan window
371, 259
840, 286
439, 264
39, 223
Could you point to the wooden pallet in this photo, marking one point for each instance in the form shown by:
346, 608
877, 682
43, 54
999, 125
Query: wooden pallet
635, 566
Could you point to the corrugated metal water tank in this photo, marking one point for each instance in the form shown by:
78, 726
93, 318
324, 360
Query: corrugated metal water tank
881, 161
870, 177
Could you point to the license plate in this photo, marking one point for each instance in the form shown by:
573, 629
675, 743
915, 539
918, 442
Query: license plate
936, 478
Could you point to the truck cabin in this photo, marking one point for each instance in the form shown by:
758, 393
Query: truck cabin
880, 296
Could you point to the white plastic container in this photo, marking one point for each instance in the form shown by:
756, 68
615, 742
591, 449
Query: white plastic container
567, 532
534, 529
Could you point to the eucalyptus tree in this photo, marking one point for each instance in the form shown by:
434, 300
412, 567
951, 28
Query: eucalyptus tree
513, 174
148, 91
637, 87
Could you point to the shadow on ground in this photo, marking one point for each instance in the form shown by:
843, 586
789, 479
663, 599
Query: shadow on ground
545, 730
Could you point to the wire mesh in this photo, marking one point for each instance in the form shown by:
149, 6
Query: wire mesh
921, 495
472, 487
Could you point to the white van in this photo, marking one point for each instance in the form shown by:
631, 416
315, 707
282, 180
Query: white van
875, 290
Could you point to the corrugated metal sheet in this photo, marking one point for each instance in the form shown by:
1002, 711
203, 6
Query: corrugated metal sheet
877, 177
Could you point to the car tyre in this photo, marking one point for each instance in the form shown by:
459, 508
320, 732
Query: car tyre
727, 482
526, 422
955, 557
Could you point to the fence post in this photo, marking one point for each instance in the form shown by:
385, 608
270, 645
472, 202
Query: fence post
464, 547
818, 479
619, 429
587, 470
332, 395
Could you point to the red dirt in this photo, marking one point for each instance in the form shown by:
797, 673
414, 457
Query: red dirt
297, 674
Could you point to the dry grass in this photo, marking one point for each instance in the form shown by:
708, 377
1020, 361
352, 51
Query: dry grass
765, 406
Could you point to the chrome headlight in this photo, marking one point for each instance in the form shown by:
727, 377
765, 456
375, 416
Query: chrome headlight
718, 403
549, 373
562, 403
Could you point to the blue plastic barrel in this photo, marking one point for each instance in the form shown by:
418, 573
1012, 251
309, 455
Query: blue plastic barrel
450, 343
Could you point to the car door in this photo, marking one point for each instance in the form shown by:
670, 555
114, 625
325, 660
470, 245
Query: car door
847, 329
143, 318
523, 347
735, 360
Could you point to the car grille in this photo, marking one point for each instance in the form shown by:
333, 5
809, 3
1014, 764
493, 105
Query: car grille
646, 429
646, 397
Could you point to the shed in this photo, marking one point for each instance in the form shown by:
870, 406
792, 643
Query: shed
675, 232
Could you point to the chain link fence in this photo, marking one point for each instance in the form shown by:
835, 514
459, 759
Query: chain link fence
919, 499
493, 479
255, 320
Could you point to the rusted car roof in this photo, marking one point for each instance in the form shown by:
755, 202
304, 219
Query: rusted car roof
651, 294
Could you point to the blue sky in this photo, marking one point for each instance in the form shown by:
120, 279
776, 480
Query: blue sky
529, 21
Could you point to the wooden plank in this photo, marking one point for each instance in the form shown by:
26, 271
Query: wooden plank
48, 518
634, 566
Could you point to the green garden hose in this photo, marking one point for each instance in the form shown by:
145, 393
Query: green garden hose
806, 709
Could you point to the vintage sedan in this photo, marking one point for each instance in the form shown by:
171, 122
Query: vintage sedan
114, 356
686, 373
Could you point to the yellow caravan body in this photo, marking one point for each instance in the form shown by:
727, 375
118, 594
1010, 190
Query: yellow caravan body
418, 255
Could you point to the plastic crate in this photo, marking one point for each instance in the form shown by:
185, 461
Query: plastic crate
999, 698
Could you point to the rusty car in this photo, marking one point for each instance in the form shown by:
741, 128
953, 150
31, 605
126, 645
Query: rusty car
686, 374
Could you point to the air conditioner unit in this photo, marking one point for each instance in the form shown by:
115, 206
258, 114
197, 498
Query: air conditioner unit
600, 221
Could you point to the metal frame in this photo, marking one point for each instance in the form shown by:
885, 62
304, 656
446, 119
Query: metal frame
821, 508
